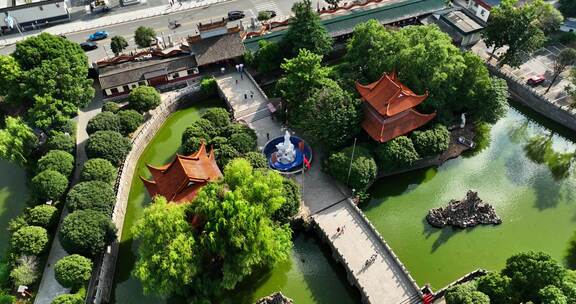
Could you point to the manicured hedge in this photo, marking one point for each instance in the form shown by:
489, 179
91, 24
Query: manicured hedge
61, 141
91, 195
398, 153
431, 142
362, 171
42, 216
109, 145
105, 121
144, 98
130, 120
73, 271
99, 169
49, 185
57, 160
29, 240
86, 232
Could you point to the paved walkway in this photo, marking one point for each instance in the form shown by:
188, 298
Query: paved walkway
383, 281
50, 288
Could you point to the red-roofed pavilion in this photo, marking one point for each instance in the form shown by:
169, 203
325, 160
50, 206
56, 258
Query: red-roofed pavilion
180, 180
388, 108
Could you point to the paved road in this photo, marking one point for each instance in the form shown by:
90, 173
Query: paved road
188, 19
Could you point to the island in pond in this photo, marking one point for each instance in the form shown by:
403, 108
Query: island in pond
469, 212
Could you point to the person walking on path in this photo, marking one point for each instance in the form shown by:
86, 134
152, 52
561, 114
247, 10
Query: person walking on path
268, 138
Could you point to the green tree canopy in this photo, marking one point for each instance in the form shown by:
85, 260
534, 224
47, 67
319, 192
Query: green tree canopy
92, 195
219, 117
552, 295
268, 57
496, 287
10, 77
465, 294
431, 142
118, 44
291, 193
548, 18
305, 32
242, 142
50, 113
57, 160
130, 120
109, 145
29, 240
34, 50
144, 98
16, 141
143, 36
49, 185
25, 272
42, 215
69, 299
99, 169
566, 58
61, 141
568, 7
86, 232
104, 121
399, 153
110, 106
362, 170
73, 271
257, 160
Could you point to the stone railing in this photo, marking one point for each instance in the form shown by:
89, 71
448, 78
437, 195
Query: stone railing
465, 278
102, 287
528, 96
416, 297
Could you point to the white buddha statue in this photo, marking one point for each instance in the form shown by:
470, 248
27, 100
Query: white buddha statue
285, 150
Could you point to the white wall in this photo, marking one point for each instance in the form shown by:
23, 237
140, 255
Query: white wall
39, 12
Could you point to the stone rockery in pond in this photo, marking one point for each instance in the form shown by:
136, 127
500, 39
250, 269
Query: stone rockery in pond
275, 298
469, 212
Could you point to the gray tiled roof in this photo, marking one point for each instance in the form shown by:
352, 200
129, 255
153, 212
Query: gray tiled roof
214, 49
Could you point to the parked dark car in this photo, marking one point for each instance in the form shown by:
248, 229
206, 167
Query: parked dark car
235, 15
536, 80
88, 46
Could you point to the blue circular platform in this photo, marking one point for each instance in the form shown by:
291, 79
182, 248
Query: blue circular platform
295, 166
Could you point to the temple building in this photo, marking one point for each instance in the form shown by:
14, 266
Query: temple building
388, 108
180, 180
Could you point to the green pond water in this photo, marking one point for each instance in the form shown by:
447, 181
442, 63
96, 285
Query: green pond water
538, 212
310, 276
13, 197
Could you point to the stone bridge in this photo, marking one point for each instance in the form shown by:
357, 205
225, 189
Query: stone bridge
385, 280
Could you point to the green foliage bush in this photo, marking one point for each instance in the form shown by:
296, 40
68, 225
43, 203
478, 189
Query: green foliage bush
29, 240
567, 37
130, 120
496, 287
144, 98
264, 15
49, 113
108, 145
110, 106
105, 121
25, 272
143, 36
61, 141
73, 271
431, 142
77, 298
363, 169
86, 232
242, 142
16, 223
235, 128
91, 195
43, 216
291, 192
218, 141
208, 86
219, 117
552, 295
191, 145
57, 160
99, 169
224, 154
6, 298
202, 129
49, 185
257, 160
398, 153
465, 294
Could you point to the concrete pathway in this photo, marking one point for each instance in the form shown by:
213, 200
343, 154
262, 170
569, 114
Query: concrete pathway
50, 288
383, 281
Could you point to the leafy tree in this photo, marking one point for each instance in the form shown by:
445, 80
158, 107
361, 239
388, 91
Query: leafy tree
291, 192
399, 153
548, 18
29, 240
42, 215
143, 36
208, 86
35, 50
218, 141
118, 44
566, 58
86, 232
264, 15
306, 31
257, 160
16, 223
130, 120
16, 141
10, 77
224, 154
144, 98
465, 294
431, 142
92, 195
552, 295
496, 287
268, 57
236, 127
202, 129
105, 121
531, 271
332, 116
514, 26
219, 117
61, 141
69, 299
51, 113
110, 106
61, 79
57, 160
73, 271
242, 142
49, 185
6, 298
192, 145
98, 169
109, 145
359, 173
568, 7
302, 75
26, 271
167, 260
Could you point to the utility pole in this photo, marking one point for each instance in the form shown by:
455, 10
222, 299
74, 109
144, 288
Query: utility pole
351, 160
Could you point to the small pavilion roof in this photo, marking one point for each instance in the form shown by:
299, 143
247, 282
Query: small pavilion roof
182, 178
389, 96
383, 129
